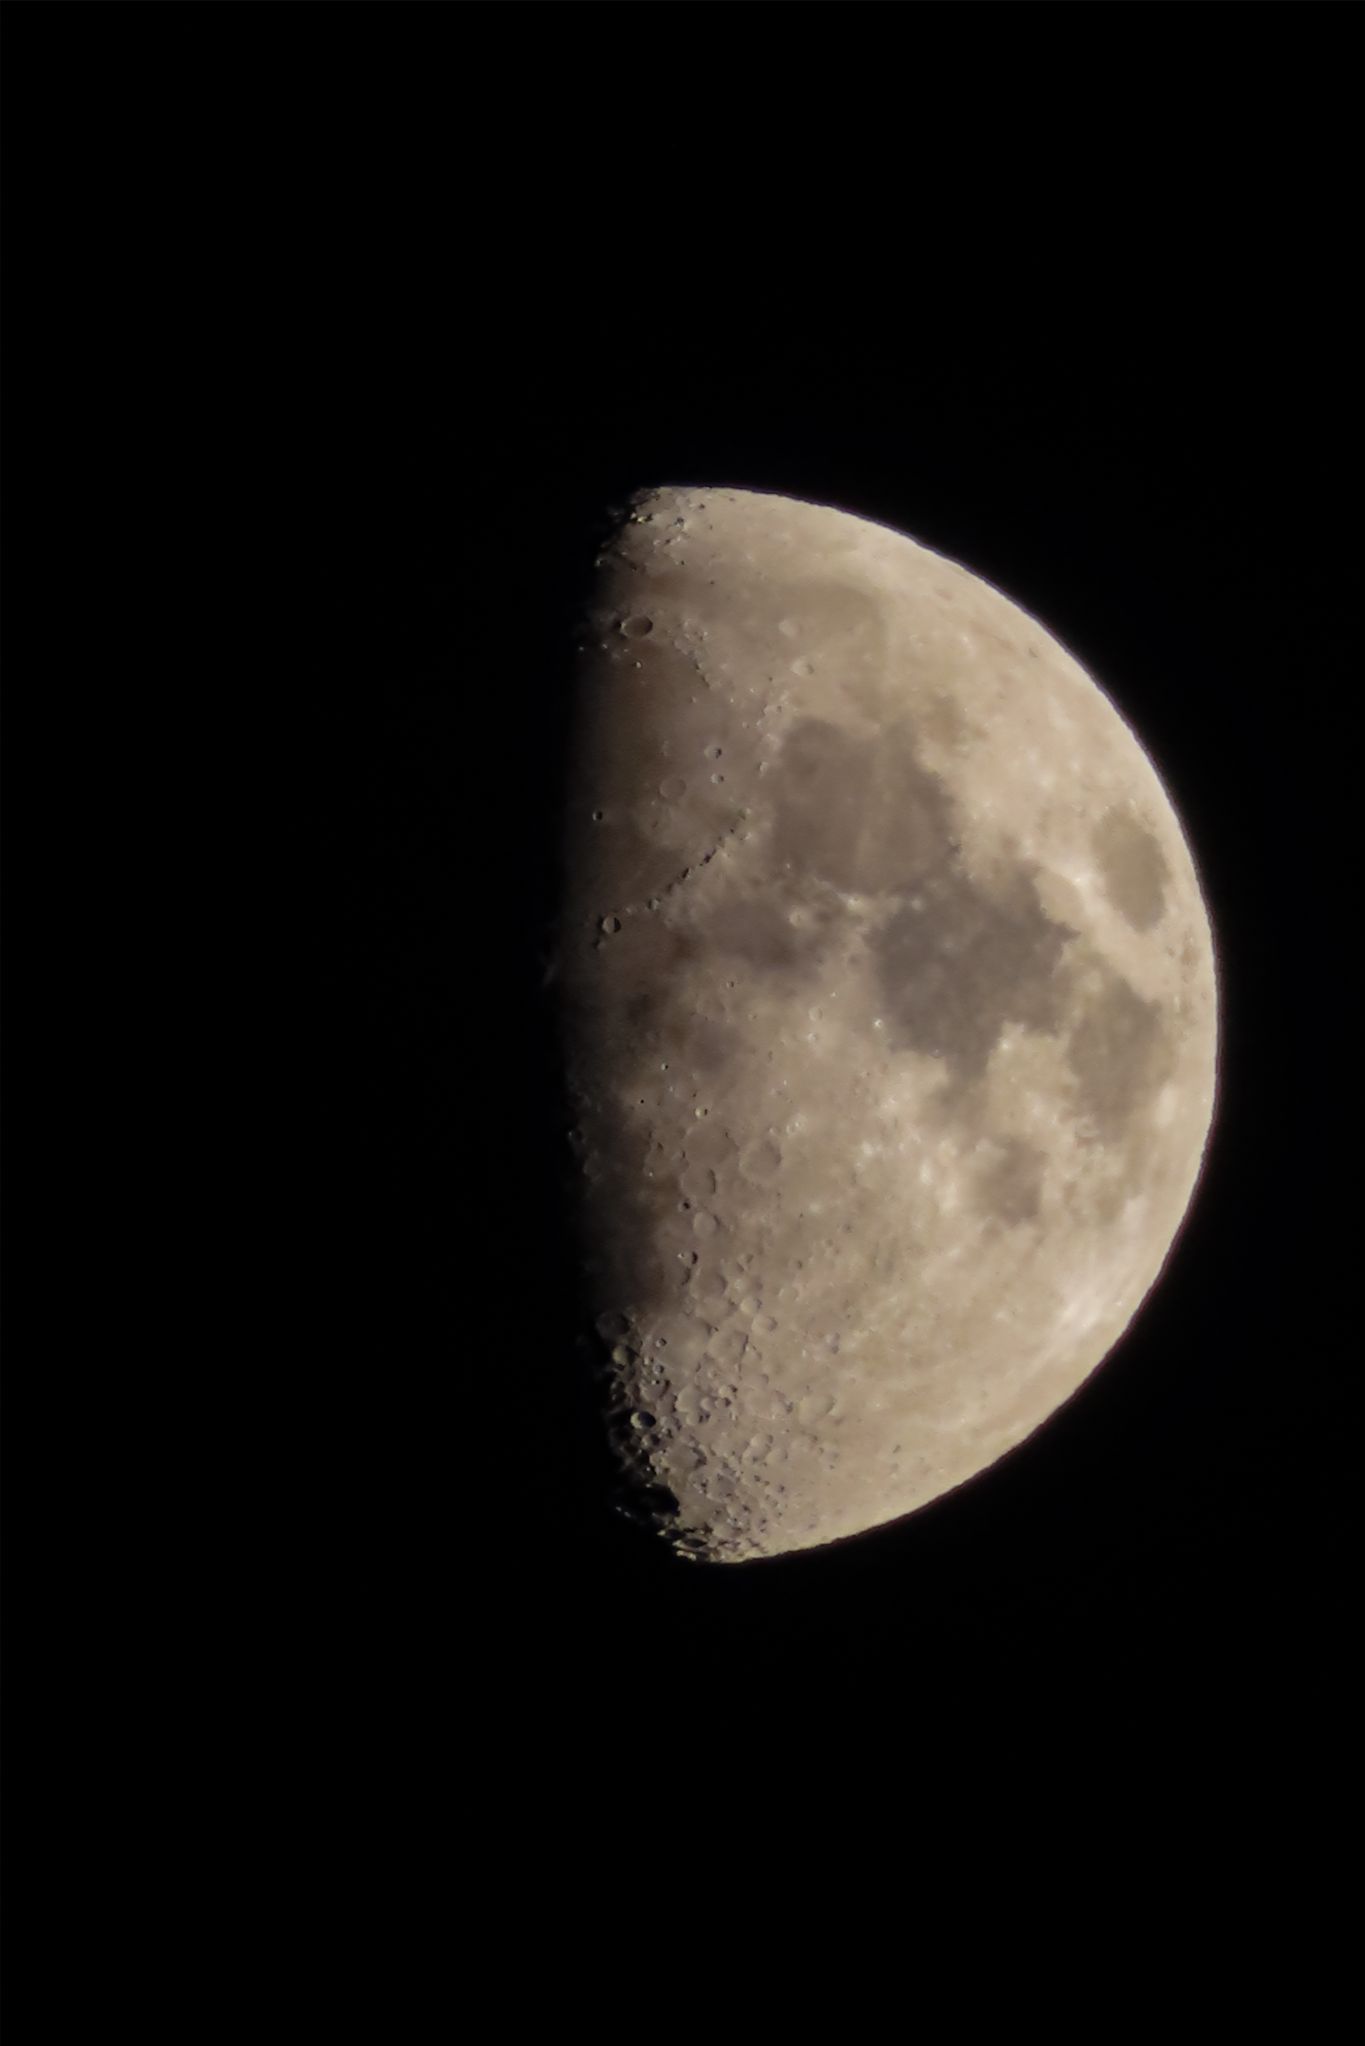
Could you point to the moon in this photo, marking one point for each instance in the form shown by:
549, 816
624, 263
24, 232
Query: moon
890, 1014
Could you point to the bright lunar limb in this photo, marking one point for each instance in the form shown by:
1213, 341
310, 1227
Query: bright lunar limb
890, 1018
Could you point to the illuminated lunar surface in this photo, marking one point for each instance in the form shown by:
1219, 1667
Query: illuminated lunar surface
890, 1018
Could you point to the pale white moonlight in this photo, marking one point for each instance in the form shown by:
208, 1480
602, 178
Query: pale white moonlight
891, 1018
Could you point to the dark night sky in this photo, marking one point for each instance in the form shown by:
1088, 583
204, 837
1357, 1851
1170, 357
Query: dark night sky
354, 320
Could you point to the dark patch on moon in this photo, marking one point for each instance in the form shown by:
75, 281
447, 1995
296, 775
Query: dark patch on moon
708, 1047
956, 965
1120, 1054
860, 813
758, 933
1132, 868
944, 722
1010, 1189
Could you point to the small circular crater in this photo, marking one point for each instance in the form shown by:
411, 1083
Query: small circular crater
729, 1345
637, 628
814, 1407
761, 1161
699, 1182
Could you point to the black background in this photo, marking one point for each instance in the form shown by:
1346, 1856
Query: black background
334, 331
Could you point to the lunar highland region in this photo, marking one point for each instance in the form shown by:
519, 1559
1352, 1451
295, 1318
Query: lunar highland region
890, 1018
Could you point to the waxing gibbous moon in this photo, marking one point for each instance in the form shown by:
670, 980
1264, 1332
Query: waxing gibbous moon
890, 1013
